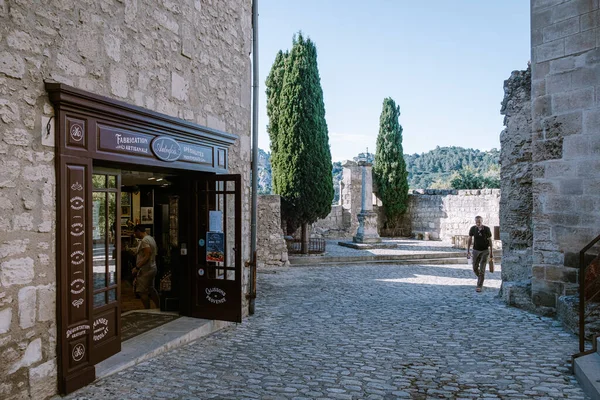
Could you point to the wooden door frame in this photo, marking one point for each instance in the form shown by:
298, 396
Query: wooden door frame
83, 122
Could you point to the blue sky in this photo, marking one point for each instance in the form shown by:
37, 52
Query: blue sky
443, 62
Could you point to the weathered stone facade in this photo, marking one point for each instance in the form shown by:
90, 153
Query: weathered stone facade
271, 248
565, 74
188, 59
516, 204
441, 214
446, 213
342, 221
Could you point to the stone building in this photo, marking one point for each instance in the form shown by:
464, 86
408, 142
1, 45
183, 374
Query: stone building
555, 171
99, 100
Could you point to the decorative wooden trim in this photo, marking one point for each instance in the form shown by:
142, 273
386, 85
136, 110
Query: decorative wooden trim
69, 98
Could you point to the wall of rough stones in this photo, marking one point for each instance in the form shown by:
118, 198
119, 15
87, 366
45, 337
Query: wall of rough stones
516, 204
446, 213
271, 248
565, 140
335, 225
189, 59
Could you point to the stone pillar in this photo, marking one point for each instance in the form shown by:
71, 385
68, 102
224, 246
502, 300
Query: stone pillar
367, 218
350, 195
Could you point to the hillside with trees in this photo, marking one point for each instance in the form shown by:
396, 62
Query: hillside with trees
441, 168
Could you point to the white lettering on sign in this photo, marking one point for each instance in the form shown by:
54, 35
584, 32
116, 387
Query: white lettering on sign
130, 139
77, 286
127, 143
100, 328
77, 331
77, 257
76, 203
77, 229
76, 133
215, 295
78, 352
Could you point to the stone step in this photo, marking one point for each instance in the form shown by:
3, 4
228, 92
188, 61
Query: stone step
319, 259
303, 261
587, 372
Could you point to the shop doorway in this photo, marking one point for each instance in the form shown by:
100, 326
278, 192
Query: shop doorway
195, 217
195, 221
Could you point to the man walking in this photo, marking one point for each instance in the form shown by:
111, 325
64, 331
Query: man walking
145, 267
482, 248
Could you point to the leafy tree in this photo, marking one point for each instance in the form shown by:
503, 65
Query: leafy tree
390, 167
301, 159
440, 164
264, 172
470, 178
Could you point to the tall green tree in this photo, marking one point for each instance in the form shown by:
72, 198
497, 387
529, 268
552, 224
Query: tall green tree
390, 168
273, 85
301, 158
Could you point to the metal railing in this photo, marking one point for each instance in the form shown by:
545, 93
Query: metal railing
589, 290
315, 246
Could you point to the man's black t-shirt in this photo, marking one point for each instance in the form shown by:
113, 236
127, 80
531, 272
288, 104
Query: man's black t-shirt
481, 237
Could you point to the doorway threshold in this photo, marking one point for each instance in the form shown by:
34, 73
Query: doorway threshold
166, 337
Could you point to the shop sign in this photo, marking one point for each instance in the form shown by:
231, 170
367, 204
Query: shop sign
166, 149
215, 246
124, 142
196, 154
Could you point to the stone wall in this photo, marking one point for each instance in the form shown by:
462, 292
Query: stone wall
271, 248
566, 140
335, 225
446, 213
189, 59
516, 204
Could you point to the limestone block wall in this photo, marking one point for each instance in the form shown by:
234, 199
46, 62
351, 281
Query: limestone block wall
565, 82
445, 213
271, 248
189, 59
516, 203
334, 225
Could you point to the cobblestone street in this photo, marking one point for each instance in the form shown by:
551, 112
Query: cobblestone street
379, 331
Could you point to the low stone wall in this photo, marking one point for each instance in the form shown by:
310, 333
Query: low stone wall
446, 213
438, 214
271, 248
335, 225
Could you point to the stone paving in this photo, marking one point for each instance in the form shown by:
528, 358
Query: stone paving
403, 246
381, 331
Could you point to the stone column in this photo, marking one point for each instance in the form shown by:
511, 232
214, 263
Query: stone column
367, 218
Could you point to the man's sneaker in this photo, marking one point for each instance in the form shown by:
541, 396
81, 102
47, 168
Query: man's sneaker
478, 289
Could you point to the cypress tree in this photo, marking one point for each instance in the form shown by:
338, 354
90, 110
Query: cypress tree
302, 158
390, 168
274, 83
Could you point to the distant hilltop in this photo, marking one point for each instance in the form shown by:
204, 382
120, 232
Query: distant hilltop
433, 169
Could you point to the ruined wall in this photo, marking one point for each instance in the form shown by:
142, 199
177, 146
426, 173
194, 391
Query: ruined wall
189, 59
566, 140
271, 248
516, 204
351, 196
335, 225
445, 213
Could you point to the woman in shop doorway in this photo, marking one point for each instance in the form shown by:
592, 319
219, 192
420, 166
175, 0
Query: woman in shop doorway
145, 267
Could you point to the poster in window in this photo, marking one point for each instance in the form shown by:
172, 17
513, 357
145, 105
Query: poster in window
147, 215
215, 246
